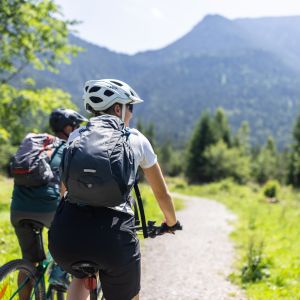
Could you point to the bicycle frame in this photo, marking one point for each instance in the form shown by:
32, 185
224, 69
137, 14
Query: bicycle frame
42, 269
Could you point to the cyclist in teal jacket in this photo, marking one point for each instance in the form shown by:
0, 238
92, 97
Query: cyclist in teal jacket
39, 203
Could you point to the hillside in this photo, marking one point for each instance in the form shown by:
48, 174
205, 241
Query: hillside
250, 67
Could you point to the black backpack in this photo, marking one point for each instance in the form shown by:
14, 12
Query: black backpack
30, 166
98, 166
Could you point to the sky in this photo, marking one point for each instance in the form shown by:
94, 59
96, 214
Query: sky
131, 26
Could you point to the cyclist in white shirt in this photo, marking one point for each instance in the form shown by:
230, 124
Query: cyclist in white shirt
105, 234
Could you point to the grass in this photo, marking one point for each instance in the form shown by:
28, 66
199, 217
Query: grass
9, 247
267, 237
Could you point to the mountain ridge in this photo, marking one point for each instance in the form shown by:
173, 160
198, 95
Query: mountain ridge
241, 65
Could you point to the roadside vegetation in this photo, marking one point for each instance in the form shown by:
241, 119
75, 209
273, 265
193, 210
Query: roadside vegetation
266, 235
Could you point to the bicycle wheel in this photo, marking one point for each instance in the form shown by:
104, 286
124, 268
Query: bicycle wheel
9, 288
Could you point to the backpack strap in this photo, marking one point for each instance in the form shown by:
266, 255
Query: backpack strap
55, 151
141, 209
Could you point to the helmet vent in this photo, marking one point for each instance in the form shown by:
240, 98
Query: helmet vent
96, 99
108, 93
117, 83
131, 92
127, 94
86, 88
94, 89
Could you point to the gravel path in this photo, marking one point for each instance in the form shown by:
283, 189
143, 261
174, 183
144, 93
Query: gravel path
193, 264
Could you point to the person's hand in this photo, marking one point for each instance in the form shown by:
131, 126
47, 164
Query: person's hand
164, 228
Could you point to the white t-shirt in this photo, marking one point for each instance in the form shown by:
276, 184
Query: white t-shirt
144, 156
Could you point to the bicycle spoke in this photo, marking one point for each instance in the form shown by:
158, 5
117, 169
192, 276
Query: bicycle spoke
16, 279
9, 288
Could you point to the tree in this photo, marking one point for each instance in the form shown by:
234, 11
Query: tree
294, 159
242, 140
165, 156
148, 130
223, 162
203, 136
265, 163
32, 32
27, 110
222, 127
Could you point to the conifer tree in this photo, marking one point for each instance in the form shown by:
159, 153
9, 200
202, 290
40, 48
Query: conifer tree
265, 163
222, 127
242, 138
294, 160
165, 156
203, 136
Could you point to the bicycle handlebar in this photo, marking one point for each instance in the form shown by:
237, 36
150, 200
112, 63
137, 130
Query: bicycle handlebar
154, 231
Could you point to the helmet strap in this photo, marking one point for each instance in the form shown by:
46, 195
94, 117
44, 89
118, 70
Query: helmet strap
123, 112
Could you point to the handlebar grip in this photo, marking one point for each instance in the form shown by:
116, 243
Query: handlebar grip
177, 226
164, 228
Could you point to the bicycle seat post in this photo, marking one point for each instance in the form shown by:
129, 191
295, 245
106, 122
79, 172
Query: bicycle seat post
37, 228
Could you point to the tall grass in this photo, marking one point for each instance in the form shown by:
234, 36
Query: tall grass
9, 247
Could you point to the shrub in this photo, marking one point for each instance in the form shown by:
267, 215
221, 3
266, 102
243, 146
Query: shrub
271, 189
223, 162
256, 268
6, 152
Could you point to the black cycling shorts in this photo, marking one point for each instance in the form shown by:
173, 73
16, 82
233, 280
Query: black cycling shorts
103, 236
25, 225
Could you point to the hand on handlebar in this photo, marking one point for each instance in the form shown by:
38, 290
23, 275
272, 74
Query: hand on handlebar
164, 228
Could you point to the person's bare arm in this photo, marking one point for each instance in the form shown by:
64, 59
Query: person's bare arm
156, 180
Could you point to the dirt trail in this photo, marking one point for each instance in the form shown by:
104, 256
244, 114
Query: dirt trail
193, 264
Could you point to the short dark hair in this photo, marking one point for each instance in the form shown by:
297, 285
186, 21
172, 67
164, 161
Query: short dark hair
109, 110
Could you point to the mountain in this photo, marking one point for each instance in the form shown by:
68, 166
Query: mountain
250, 67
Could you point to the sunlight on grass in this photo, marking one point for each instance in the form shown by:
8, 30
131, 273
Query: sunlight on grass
9, 247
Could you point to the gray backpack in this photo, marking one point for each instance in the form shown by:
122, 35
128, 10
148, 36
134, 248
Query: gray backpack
30, 165
98, 165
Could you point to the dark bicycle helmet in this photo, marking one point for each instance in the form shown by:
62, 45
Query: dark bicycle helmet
62, 117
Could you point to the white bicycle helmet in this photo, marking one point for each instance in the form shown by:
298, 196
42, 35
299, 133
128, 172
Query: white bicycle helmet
99, 95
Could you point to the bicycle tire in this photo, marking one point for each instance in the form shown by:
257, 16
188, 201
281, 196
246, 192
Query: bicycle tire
6, 271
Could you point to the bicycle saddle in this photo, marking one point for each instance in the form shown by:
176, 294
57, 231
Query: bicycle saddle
32, 224
86, 267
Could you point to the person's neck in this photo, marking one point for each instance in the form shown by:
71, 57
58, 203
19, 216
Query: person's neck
62, 136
